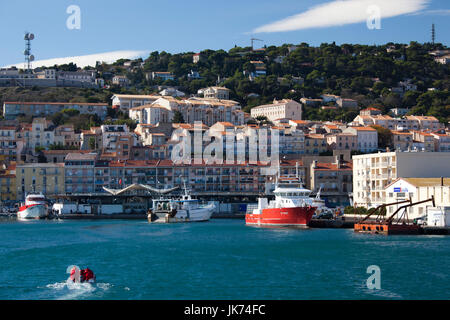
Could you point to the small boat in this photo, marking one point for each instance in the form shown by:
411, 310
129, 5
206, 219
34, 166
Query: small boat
322, 209
292, 206
81, 276
185, 209
35, 207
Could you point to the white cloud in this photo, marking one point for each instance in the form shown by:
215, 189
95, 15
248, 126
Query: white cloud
87, 60
342, 12
437, 12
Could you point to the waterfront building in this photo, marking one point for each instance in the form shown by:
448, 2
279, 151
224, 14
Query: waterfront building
418, 189
8, 190
373, 172
334, 180
79, 172
12, 110
47, 178
282, 109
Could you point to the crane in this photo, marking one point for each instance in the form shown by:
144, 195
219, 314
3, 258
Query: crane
254, 39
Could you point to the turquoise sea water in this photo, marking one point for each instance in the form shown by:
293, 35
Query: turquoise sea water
220, 259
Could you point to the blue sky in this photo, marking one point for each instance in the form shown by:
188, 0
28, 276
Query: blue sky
182, 26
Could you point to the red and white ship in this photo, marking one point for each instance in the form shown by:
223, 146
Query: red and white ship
35, 207
292, 206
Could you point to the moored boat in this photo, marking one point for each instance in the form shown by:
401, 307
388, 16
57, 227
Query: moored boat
185, 209
35, 207
292, 206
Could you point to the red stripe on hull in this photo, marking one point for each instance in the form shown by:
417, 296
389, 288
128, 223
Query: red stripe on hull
298, 216
23, 208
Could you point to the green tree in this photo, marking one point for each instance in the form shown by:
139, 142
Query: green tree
178, 117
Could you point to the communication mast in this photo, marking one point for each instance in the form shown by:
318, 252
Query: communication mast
433, 33
29, 58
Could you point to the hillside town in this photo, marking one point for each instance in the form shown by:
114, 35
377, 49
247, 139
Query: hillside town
355, 162
348, 141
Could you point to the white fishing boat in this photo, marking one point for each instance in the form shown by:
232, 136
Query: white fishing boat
35, 207
185, 209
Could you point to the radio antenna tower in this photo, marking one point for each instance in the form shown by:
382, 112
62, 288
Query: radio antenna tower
433, 33
28, 56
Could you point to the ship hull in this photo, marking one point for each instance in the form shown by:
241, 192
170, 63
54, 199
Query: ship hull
285, 217
36, 211
194, 215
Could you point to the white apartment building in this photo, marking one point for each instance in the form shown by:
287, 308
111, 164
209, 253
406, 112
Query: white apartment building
151, 114
373, 172
217, 93
128, 101
206, 110
367, 138
418, 189
283, 109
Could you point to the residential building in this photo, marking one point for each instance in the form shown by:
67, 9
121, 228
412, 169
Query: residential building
311, 102
79, 172
347, 103
334, 180
402, 140
286, 108
162, 75
220, 93
260, 69
128, 101
373, 172
197, 57
367, 138
47, 178
426, 139
10, 144
441, 140
12, 110
8, 190
315, 144
121, 81
117, 139
426, 122
342, 141
370, 112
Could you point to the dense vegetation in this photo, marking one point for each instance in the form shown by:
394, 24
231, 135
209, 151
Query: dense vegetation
364, 73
